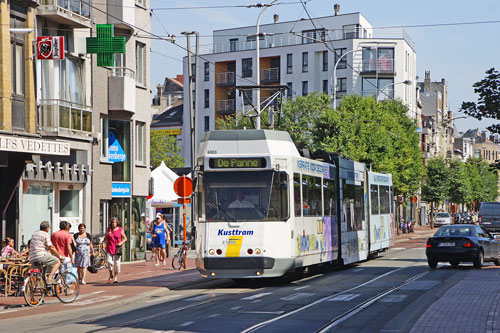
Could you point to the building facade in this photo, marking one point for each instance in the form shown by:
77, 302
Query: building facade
374, 66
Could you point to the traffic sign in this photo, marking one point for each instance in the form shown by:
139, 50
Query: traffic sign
183, 187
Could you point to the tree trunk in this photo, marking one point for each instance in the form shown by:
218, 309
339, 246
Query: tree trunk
432, 215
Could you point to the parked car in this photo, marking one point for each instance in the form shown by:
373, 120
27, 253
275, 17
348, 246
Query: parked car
442, 218
489, 216
462, 242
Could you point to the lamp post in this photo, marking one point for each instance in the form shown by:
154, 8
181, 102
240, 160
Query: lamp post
259, 5
335, 72
406, 82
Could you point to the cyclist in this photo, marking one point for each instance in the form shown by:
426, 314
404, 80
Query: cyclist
42, 251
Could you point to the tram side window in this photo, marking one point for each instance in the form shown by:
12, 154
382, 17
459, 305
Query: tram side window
278, 205
296, 193
199, 197
311, 196
329, 197
353, 205
374, 199
391, 199
385, 200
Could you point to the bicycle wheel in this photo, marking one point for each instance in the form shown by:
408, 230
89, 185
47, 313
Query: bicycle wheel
67, 287
33, 290
100, 260
178, 261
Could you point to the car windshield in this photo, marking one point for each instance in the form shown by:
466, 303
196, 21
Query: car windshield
443, 215
454, 231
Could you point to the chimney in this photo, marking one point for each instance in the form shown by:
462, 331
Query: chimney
159, 90
336, 8
180, 78
427, 81
276, 17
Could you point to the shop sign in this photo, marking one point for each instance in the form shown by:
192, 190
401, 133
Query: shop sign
121, 190
34, 146
50, 47
171, 131
116, 152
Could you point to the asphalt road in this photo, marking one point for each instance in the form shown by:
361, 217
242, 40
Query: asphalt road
386, 294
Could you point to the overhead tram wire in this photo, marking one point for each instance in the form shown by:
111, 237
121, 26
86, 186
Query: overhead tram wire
223, 6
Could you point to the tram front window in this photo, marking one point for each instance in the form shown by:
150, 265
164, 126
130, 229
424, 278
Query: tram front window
242, 196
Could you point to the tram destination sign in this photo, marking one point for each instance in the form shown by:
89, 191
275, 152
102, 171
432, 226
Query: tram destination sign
237, 163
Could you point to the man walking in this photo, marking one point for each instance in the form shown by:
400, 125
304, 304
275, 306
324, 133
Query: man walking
42, 251
62, 241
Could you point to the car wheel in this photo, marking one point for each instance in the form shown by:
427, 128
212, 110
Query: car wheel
478, 261
497, 262
432, 263
454, 262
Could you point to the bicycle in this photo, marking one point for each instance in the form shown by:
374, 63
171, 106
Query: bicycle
65, 288
100, 254
178, 259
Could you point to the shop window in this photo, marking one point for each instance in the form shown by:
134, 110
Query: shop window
69, 203
139, 142
120, 129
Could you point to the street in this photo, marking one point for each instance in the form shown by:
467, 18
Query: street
393, 292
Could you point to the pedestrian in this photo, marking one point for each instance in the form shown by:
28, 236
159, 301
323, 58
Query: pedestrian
63, 242
158, 233
8, 250
115, 237
84, 251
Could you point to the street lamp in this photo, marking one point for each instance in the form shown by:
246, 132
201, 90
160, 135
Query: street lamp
259, 5
335, 72
407, 82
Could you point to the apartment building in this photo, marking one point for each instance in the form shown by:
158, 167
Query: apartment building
376, 63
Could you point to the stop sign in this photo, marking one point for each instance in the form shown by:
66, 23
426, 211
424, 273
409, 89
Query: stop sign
183, 186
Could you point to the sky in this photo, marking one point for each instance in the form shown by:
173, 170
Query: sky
460, 54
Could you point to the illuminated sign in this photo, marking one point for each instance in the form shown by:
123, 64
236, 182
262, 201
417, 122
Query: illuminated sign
237, 163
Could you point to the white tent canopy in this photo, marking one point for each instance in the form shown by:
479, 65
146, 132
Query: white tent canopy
163, 183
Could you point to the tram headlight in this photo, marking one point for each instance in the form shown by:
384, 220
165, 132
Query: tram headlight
212, 274
257, 273
211, 252
257, 251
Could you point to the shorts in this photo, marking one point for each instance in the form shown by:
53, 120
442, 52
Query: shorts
48, 260
161, 246
114, 262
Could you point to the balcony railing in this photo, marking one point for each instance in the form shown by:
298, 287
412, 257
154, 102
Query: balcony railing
122, 72
225, 106
225, 79
57, 114
387, 93
380, 65
79, 7
270, 75
75, 13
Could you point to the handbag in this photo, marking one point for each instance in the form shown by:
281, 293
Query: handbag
92, 269
118, 250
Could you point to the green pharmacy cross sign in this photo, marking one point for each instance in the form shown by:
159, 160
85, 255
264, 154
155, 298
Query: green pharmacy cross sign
105, 45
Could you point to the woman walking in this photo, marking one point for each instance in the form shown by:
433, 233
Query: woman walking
158, 233
115, 237
84, 250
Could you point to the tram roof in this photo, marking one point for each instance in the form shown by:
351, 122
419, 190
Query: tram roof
246, 135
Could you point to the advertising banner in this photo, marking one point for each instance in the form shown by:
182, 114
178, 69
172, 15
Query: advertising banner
50, 47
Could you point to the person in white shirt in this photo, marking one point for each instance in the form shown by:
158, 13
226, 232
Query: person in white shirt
42, 251
241, 202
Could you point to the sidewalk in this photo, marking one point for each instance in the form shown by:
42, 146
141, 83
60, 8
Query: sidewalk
143, 277
420, 233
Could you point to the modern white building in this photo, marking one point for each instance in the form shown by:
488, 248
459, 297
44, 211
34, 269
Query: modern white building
377, 62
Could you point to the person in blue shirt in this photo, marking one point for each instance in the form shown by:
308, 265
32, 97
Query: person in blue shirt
158, 233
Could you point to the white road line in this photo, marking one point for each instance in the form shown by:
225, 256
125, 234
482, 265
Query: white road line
256, 301
198, 298
262, 312
90, 294
303, 287
259, 295
187, 323
393, 258
94, 300
297, 296
393, 298
357, 270
235, 308
344, 298
214, 315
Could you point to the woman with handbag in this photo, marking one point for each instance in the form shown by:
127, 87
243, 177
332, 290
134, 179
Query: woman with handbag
84, 251
115, 237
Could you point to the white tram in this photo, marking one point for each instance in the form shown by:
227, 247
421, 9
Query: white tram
263, 210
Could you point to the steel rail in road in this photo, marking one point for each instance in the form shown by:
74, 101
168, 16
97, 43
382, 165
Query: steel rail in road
324, 299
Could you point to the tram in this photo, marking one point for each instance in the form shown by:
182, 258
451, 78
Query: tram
263, 210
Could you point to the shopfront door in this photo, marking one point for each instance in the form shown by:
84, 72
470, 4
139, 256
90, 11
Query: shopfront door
120, 208
36, 207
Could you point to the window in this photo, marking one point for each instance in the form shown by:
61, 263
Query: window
207, 71
305, 88
325, 86
233, 45
383, 87
104, 138
311, 196
289, 61
207, 98
139, 142
305, 62
289, 91
374, 199
351, 31
17, 68
381, 59
329, 203
193, 72
353, 205
325, 61
207, 123
313, 36
343, 62
296, 194
140, 63
69, 203
385, 200
246, 67
341, 87
247, 98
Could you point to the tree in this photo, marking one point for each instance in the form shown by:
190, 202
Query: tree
484, 181
460, 189
163, 147
488, 105
435, 186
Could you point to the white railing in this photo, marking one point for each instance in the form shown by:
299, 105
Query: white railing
379, 65
56, 114
387, 93
122, 72
270, 74
79, 7
225, 106
226, 78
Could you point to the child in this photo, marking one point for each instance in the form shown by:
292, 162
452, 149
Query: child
8, 248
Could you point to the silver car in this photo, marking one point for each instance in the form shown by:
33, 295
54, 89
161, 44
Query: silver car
442, 219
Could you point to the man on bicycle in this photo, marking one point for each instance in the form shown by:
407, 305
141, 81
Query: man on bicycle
42, 251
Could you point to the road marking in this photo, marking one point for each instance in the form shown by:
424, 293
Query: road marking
393, 298
262, 312
297, 296
90, 294
256, 301
214, 315
393, 258
359, 269
303, 287
94, 300
344, 298
198, 298
308, 278
255, 296
235, 308
187, 323
421, 285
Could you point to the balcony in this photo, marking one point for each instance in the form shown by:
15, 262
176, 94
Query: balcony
225, 79
73, 13
270, 75
380, 66
121, 89
226, 106
65, 118
120, 11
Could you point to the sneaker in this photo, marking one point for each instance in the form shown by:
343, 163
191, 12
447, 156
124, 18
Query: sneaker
157, 265
83, 282
164, 262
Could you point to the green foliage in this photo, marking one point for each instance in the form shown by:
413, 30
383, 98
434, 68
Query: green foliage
164, 147
435, 186
460, 186
483, 179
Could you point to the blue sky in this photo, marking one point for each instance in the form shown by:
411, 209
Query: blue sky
460, 54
